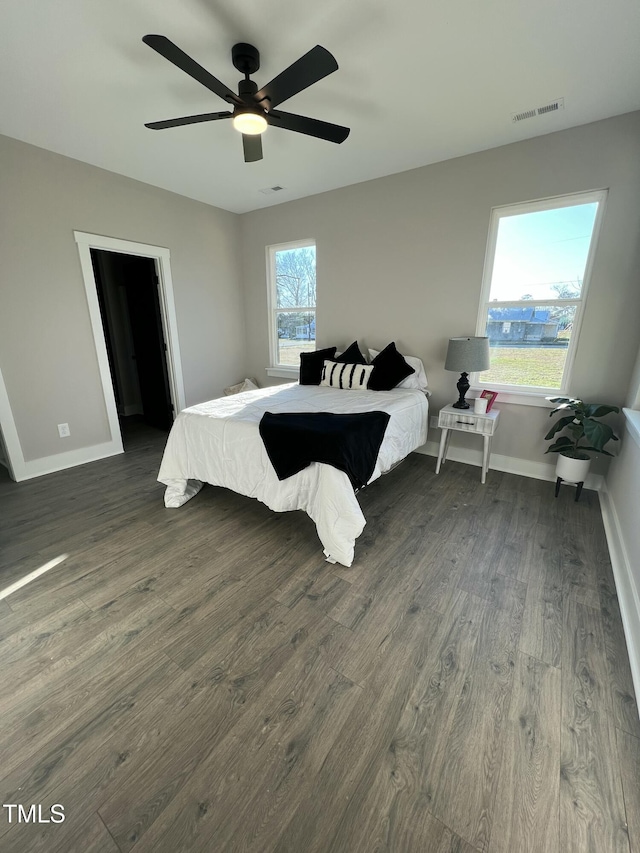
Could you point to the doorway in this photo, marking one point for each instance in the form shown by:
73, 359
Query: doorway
129, 300
129, 293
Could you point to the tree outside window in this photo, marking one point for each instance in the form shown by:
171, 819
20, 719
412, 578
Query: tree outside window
292, 279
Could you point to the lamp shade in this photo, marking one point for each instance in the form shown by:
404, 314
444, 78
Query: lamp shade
469, 355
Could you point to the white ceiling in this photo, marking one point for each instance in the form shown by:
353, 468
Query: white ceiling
418, 83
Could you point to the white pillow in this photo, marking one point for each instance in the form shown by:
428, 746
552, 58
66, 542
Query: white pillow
415, 380
348, 377
246, 385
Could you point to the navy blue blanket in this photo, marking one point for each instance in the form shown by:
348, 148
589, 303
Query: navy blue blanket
348, 442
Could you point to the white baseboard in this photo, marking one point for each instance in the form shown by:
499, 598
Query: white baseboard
508, 464
50, 464
628, 596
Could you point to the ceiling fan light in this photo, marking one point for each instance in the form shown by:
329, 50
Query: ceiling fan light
250, 123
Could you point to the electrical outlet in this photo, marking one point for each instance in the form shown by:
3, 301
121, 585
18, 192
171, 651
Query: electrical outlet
63, 430
433, 422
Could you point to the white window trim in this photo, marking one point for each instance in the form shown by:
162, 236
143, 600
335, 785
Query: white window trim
283, 372
276, 369
528, 394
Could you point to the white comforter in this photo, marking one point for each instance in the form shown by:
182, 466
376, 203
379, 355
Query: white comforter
219, 443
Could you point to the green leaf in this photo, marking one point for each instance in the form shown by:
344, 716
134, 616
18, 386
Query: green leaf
594, 450
561, 424
598, 410
597, 433
576, 430
563, 443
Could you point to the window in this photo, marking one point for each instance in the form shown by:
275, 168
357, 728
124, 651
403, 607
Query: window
292, 302
539, 258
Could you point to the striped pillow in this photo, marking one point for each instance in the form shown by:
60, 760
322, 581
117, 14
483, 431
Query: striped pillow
349, 377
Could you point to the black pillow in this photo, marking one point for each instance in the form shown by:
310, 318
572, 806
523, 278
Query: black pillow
311, 364
351, 355
389, 368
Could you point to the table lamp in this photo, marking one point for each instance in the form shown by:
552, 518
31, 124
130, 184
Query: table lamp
468, 355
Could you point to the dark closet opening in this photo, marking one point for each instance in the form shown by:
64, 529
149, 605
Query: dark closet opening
129, 302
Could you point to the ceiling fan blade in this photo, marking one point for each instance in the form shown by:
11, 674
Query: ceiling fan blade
179, 58
310, 68
311, 126
178, 122
252, 147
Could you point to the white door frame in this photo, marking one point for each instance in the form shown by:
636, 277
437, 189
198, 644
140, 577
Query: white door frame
15, 457
161, 256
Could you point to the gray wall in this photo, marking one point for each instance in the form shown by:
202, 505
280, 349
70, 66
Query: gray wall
398, 258
47, 354
402, 258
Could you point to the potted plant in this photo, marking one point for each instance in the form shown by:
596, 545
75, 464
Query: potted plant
586, 435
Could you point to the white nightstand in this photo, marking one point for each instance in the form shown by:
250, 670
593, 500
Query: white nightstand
466, 420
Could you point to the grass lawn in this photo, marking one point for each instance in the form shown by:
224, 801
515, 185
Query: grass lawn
540, 366
289, 351
527, 366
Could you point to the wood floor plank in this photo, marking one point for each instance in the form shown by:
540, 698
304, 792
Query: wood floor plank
623, 699
249, 669
319, 585
465, 785
629, 758
389, 809
285, 738
84, 732
33, 645
482, 565
366, 645
85, 833
202, 679
526, 810
542, 623
592, 814
35, 717
580, 571
354, 759
625, 705
419, 831
386, 572
86, 763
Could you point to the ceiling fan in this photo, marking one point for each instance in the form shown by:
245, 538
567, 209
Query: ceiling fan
253, 109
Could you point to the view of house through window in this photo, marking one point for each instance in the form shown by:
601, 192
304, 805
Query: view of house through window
293, 301
534, 290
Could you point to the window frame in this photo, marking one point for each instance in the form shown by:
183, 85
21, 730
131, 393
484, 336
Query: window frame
509, 392
276, 368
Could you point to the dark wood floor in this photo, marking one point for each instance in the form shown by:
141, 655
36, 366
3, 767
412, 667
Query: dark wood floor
200, 679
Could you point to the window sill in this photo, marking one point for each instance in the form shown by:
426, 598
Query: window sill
283, 372
518, 398
633, 423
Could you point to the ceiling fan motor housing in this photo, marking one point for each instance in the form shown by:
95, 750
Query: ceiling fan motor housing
245, 57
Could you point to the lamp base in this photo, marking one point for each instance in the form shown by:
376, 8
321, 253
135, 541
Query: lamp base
463, 387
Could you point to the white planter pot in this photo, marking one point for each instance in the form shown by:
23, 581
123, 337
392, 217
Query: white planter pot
572, 470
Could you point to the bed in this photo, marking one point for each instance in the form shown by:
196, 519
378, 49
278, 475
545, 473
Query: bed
218, 442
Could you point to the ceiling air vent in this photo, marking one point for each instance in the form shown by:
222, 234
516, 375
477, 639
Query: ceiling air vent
270, 190
551, 107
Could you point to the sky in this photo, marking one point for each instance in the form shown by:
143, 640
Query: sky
534, 250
